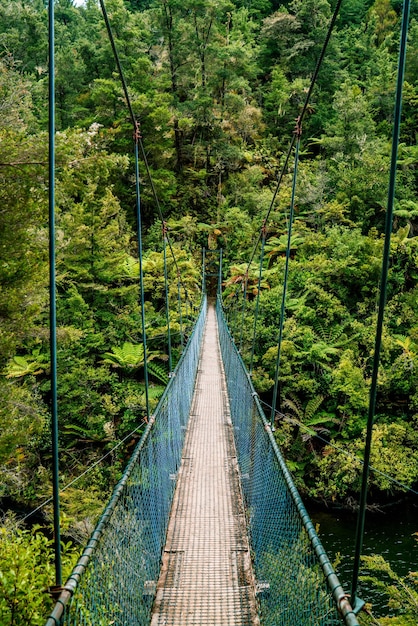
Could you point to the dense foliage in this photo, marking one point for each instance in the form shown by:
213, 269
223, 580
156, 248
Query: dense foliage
216, 86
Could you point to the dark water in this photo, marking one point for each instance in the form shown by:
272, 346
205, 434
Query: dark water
389, 534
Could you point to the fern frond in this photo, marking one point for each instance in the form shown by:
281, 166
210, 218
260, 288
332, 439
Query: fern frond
19, 366
158, 372
312, 406
156, 391
130, 355
294, 405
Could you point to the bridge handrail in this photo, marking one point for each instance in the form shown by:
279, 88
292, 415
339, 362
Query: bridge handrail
68, 590
339, 596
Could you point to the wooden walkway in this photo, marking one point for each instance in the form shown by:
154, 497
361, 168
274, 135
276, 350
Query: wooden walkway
206, 576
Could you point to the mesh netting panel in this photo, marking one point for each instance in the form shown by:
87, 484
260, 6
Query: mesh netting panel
292, 589
118, 585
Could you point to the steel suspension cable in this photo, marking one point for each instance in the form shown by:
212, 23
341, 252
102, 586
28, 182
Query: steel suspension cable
137, 135
299, 124
203, 271
160, 213
320, 60
187, 314
52, 296
220, 273
382, 296
244, 303
295, 139
234, 312
257, 304
298, 133
167, 303
276, 191
180, 310
89, 469
300, 119
141, 276
137, 140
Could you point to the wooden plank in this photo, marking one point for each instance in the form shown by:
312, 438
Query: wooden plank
206, 576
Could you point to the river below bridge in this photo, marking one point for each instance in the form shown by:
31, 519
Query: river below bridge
389, 533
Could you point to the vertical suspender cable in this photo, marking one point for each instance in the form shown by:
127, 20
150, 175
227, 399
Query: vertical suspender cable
203, 271
180, 310
52, 295
257, 304
235, 313
167, 303
244, 304
141, 271
286, 274
382, 298
187, 318
220, 273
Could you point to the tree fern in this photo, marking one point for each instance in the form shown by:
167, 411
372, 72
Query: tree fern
35, 363
307, 418
130, 268
130, 356
84, 434
312, 407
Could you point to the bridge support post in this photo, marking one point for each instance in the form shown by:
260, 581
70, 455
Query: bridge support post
52, 295
382, 297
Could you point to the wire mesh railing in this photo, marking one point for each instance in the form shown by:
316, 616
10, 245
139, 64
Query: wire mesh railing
296, 582
115, 579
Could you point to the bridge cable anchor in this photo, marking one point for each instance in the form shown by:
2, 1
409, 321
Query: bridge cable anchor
298, 127
137, 132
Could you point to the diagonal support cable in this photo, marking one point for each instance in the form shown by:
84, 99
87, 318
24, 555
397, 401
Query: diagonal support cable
257, 305
300, 120
137, 141
138, 145
299, 123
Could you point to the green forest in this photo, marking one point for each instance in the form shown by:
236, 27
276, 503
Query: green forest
216, 86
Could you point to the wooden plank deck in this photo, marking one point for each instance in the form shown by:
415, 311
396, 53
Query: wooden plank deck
206, 576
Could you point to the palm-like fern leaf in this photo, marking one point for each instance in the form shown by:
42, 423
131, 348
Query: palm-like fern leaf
158, 372
19, 366
130, 355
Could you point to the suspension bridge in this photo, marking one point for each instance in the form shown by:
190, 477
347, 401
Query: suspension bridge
238, 546
206, 525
